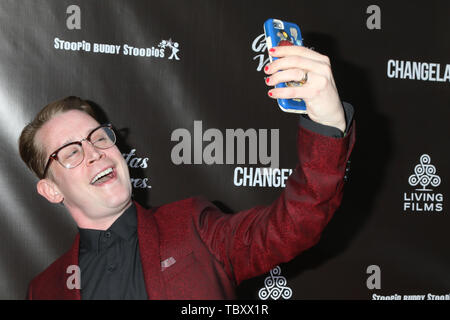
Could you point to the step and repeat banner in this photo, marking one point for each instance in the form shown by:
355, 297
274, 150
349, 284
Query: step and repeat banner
184, 80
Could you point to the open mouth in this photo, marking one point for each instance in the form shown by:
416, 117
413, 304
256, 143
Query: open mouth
103, 177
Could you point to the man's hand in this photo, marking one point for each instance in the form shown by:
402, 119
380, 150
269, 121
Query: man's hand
319, 92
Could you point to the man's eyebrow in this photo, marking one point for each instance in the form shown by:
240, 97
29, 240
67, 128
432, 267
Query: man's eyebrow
71, 139
68, 141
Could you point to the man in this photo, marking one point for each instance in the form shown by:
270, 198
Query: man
187, 249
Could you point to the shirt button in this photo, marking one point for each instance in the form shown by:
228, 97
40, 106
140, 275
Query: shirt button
107, 234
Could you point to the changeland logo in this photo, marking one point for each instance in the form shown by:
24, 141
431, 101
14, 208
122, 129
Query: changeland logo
234, 146
415, 70
423, 178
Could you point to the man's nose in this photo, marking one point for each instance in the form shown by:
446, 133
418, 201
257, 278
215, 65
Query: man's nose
92, 153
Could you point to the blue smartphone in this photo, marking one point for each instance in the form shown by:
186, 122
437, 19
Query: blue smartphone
282, 33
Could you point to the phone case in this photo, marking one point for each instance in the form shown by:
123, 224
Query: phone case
282, 33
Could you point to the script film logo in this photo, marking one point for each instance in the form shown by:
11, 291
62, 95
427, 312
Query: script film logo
259, 47
424, 179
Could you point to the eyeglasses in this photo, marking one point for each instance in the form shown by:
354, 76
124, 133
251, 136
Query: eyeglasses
71, 154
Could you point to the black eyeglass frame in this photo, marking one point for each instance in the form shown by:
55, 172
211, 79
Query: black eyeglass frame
54, 155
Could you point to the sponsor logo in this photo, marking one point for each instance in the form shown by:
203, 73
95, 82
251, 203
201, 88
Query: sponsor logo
259, 47
413, 70
395, 296
233, 146
424, 178
157, 51
275, 286
73, 22
134, 162
173, 46
260, 177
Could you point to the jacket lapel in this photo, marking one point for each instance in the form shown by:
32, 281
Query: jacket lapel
148, 237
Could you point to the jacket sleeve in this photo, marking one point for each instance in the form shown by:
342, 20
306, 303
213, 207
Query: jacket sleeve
251, 242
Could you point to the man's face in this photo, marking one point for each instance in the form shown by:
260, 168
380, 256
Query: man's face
90, 204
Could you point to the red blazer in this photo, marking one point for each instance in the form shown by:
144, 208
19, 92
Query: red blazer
213, 252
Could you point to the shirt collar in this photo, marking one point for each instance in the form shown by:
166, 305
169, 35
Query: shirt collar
125, 227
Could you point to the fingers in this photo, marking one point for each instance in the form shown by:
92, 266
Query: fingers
294, 74
309, 90
284, 51
319, 90
298, 62
292, 93
292, 64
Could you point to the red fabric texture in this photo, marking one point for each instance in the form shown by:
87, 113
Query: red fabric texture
213, 251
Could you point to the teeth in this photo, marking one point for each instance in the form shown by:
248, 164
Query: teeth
101, 174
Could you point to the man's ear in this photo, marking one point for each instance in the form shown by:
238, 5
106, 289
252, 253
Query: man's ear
49, 191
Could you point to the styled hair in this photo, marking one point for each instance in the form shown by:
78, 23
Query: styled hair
33, 153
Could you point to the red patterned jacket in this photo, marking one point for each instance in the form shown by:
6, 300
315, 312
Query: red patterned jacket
212, 251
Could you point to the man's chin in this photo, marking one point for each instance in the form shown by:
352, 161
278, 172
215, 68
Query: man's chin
119, 202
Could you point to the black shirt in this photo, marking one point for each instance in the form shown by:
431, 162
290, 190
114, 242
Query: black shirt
110, 262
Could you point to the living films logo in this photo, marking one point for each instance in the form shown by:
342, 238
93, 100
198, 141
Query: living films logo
425, 180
